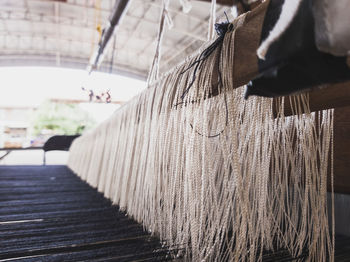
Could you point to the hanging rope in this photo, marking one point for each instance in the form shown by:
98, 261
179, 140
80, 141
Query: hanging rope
164, 18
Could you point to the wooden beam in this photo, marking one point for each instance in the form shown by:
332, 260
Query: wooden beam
332, 96
247, 41
341, 159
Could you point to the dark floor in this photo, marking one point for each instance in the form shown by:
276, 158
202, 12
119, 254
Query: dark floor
48, 214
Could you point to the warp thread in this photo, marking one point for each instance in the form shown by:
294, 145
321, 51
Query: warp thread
259, 187
164, 18
221, 29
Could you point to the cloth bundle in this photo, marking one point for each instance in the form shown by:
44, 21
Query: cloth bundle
304, 44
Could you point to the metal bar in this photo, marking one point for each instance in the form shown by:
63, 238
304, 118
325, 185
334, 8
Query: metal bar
5, 155
119, 11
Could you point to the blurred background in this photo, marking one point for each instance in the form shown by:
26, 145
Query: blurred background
48, 48
39, 102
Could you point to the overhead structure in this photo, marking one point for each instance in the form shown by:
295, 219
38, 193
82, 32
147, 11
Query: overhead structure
66, 33
119, 10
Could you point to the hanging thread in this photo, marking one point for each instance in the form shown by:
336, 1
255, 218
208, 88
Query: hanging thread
164, 18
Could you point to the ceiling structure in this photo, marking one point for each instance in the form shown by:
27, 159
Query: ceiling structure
66, 33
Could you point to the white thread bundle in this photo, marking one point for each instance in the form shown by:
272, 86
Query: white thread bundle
259, 185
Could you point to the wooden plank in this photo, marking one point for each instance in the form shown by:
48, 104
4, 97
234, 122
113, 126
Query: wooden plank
342, 150
331, 96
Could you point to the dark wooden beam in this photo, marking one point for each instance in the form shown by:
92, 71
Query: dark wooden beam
247, 41
341, 159
331, 96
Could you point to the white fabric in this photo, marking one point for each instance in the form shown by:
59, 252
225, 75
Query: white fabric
332, 26
287, 15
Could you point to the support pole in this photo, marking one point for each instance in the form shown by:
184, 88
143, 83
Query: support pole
119, 11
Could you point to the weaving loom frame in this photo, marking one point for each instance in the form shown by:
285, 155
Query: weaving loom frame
170, 194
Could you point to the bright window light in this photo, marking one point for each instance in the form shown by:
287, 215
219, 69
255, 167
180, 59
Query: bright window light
35, 101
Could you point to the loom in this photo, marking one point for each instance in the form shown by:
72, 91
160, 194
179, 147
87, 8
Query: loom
221, 177
235, 153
